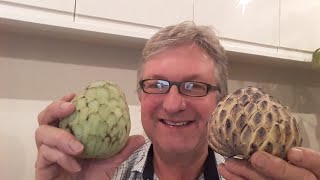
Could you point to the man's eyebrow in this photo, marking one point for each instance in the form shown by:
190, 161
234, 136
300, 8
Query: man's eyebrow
191, 77
157, 77
186, 78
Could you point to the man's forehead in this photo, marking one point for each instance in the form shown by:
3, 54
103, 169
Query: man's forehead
179, 74
187, 47
184, 62
188, 51
181, 47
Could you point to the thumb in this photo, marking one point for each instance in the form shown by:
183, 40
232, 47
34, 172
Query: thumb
134, 142
277, 168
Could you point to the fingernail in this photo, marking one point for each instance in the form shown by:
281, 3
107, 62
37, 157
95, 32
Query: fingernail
296, 155
75, 146
65, 105
260, 159
76, 167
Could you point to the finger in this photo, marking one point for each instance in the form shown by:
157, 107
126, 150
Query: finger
104, 169
55, 111
306, 158
278, 168
134, 142
242, 168
227, 174
48, 156
68, 97
59, 138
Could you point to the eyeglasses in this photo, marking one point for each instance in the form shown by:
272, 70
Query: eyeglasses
188, 88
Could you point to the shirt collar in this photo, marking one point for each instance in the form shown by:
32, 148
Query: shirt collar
140, 164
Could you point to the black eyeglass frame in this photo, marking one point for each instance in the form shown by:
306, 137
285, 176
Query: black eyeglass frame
171, 83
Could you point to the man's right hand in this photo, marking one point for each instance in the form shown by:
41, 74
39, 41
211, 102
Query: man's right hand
57, 148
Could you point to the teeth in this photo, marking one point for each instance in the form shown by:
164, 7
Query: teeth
175, 124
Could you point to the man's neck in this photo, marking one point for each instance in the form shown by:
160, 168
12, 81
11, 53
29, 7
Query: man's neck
179, 166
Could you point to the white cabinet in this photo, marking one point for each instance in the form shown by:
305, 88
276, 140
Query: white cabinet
137, 18
147, 12
300, 24
44, 11
254, 21
283, 29
59, 5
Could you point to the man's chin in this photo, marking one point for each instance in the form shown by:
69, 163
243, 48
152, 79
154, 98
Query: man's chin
177, 147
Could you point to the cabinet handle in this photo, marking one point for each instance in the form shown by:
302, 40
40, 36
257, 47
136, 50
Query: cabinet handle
316, 58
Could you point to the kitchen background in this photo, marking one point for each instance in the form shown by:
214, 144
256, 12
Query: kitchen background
48, 49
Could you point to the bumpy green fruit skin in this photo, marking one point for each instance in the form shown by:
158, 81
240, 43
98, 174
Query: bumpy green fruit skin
101, 121
316, 58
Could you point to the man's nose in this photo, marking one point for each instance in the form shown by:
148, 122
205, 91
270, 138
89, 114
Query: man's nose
173, 101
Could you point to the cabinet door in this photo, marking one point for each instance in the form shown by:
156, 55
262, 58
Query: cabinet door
255, 21
145, 12
300, 24
60, 5
44, 11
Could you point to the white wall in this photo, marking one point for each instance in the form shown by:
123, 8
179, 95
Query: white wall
35, 70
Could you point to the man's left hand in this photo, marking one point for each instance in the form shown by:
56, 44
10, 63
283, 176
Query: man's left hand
304, 164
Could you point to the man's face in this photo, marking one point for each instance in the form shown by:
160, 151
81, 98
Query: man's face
176, 123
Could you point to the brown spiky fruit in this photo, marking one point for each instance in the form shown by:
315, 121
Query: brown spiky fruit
249, 120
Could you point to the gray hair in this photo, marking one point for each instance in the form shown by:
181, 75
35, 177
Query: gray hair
189, 32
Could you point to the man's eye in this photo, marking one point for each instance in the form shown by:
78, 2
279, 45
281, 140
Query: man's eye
157, 85
188, 86
191, 86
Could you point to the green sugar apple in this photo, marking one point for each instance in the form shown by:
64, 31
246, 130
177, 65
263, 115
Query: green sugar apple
316, 58
101, 121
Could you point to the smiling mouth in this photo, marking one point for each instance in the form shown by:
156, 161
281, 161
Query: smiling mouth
170, 123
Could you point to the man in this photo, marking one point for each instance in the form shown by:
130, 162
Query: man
182, 77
